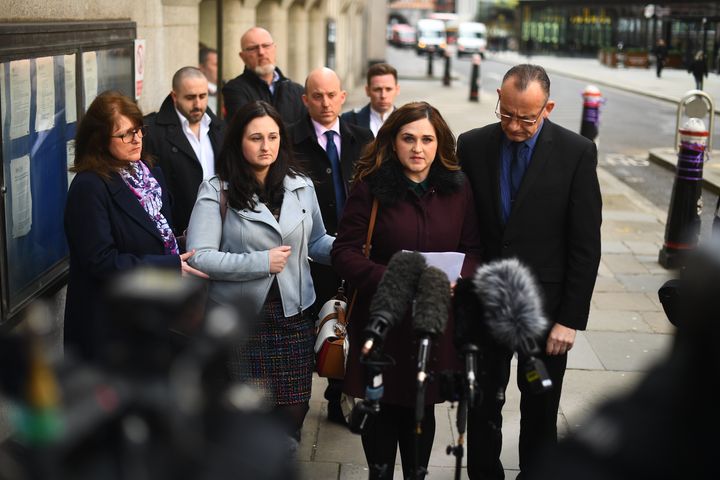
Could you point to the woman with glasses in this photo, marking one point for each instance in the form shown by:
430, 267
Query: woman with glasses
117, 216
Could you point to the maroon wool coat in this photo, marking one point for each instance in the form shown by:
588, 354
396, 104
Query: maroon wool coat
443, 219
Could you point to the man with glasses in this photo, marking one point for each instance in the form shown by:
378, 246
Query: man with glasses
538, 198
184, 137
263, 80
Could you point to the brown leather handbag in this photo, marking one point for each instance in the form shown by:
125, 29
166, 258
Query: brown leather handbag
331, 342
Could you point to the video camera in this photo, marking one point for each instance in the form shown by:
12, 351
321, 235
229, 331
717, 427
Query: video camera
156, 405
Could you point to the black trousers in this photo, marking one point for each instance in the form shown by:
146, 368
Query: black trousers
538, 416
395, 425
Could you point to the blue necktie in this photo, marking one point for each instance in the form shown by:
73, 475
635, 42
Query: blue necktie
511, 182
338, 183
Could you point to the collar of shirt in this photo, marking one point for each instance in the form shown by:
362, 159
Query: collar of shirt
204, 123
530, 142
377, 119
273, 84
320, 133
418, 189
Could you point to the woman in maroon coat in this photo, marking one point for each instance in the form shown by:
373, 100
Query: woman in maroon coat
426, 205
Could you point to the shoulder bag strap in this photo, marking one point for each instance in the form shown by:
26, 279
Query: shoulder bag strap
366, 251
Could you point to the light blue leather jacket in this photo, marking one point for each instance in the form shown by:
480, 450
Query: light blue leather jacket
236, 255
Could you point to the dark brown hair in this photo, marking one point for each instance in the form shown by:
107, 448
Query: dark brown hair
378, 69
381, 149
524, 74
232, 166
93, 136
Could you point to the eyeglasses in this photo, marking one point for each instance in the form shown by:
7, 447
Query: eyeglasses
256, 48
129, 136
504, 117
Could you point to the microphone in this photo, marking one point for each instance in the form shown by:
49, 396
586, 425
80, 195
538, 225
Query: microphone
392, 297
468, 315
432, 303
513, 314
512, 307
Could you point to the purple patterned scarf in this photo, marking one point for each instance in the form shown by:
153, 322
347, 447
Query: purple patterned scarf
149, 194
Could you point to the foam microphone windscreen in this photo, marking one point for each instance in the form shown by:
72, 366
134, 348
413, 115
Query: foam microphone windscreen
432, 302
511, 302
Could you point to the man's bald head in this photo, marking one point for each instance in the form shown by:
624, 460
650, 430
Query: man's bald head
324, 96
257, 51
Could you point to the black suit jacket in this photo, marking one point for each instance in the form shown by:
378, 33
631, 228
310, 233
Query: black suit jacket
315, 161
108, 232
167, 142
358, 116
554, 226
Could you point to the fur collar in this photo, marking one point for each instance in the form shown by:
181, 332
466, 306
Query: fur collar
389, 183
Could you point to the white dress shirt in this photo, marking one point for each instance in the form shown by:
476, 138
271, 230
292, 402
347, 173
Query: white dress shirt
201, 146
377, 119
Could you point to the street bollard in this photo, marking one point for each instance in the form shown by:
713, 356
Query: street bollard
589, 127
475, 78
430, 54
683, 223
446, 73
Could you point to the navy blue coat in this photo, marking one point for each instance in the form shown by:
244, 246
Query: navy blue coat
108, 232
358, 116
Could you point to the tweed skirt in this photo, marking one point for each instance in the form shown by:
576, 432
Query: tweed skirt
278, 356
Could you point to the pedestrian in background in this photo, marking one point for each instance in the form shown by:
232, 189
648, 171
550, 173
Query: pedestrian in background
262, 79
660, 52
538, 200
256, 254
117, 217
208, 65
699, 69
382, 88
426, 205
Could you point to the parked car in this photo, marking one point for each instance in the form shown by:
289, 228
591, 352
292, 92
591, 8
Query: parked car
402, 35
472, 38
430, 36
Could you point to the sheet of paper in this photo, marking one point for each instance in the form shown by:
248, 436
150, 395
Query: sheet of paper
70, 94
20, 95
449, 262
70, 152
90, 77
21, 196
45, 91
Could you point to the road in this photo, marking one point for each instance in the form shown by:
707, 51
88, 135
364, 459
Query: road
630, 125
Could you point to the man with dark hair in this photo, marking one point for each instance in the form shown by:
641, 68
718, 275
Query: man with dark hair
208, 65
382, 88
328, 147
538, 199
184, 136
263, 80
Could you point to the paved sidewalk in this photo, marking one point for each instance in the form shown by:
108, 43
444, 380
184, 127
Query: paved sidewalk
627, 331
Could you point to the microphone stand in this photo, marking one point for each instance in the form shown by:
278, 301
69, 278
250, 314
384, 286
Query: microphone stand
420, 404
468, 395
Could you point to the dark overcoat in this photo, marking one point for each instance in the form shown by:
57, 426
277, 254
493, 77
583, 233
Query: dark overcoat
315, 162
358, 116
443, 219
248, 87
108, 231
167, 142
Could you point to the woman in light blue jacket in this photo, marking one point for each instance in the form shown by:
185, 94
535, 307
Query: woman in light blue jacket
256, 254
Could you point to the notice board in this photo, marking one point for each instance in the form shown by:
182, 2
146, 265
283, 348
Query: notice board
49, 74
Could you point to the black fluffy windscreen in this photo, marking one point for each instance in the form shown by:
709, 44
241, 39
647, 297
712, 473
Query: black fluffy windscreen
432, 302
398, 285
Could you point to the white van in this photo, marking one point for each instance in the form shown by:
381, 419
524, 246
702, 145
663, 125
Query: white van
472, 38
430, 36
